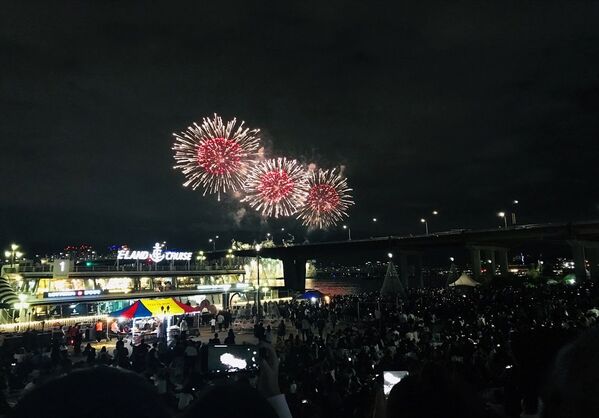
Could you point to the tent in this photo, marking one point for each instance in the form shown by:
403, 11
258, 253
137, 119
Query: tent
311, 293
145, 308
465, 280
392, 285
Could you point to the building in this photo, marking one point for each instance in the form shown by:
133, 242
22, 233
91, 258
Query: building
66, 288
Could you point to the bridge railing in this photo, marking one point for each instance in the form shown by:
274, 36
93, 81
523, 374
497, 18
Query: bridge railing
141, 267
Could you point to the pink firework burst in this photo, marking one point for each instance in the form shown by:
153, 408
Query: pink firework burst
216, 156
276, 187
327, 201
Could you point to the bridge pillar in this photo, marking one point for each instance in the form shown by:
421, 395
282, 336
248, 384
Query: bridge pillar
490, 255
475, 260
418, 271
403, 270
579, 261
294, 273
593, 256
503, 262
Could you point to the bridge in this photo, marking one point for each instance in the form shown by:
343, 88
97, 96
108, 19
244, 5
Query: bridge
494, 244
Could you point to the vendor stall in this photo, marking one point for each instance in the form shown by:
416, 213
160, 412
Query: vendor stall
150, 318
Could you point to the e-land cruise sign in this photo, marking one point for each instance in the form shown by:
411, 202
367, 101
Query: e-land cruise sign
157, 255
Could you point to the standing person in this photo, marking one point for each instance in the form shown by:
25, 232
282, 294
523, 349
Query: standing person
230, 340
220, 319
114, 330
268, 335
227, 315
213, 324
260, 332
281, 330
99, 330
77, 340
184, 327
191, 355
320, 323
306, 326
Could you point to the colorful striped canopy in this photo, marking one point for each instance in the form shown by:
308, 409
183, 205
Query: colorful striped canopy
145, 308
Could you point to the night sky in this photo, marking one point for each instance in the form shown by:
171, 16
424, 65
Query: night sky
458, 108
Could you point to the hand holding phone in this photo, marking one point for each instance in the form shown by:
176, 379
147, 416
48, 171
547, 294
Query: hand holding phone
231, 358
268, 378
391, 378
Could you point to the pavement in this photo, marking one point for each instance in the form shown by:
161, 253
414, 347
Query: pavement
241, 337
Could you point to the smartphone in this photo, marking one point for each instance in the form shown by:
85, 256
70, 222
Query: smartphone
230, 358
392, 378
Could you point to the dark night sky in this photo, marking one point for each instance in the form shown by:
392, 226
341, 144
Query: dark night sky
460, 108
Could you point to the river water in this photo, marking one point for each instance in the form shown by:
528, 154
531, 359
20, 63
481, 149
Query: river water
344, 286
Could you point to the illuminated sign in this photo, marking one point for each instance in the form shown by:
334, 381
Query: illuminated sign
72, 293
157, 255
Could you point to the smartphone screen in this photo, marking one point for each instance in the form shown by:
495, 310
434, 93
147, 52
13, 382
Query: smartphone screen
392, 378
231, 358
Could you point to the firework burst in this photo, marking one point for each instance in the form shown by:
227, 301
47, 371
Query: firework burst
327, 201
276, 187
216, 156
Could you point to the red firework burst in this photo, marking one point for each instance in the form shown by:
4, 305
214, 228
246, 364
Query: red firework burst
276, 187
219, 156
328, 199
216, 156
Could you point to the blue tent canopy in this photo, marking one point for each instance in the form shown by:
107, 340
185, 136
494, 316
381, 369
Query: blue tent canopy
311, 293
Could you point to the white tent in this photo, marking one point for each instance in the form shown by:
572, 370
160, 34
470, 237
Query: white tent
465, 280
392, 285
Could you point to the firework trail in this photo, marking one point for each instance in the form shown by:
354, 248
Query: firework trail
328, 199
216, 156
276, 187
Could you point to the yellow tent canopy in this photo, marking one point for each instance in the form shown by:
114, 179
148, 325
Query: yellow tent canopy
144, 308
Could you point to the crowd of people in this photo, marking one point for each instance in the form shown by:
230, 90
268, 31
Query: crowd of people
479, 352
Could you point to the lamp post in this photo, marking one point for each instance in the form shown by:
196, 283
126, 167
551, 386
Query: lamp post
201, 258
425, 222
211, 241
502, 215
258, 248
13, 254
348, 232
230, 257
514, 204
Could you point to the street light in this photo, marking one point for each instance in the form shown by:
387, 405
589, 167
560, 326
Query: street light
422, 220
435, 212
13, 254
390, 255
502, 215
258, 248
348, 232
514, 204
213, 244
374, 219
201, 257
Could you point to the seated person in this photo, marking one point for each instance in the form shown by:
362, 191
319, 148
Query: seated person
48, 400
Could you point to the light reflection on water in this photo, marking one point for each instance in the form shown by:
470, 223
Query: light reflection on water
344, 286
